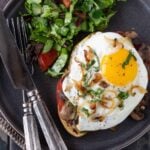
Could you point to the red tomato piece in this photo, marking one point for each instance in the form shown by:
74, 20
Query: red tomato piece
45, 60
67, 3
60, 101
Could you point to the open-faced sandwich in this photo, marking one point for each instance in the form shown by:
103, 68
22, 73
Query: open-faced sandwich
105, 81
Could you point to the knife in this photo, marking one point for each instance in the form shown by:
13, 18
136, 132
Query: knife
21, 79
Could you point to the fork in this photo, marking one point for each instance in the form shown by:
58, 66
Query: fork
32, 141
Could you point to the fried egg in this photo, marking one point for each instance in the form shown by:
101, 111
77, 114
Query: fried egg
107, 79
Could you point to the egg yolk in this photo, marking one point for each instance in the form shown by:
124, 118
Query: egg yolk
113, 70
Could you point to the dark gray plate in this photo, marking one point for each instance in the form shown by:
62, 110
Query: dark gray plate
134, 14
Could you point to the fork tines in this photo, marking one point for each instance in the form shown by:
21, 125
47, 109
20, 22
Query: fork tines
18, 27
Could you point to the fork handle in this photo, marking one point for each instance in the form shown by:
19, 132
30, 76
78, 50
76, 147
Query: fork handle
32, 141
51, 133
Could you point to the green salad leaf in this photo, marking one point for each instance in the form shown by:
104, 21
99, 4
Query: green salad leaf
55, 26
59, 64
34, 1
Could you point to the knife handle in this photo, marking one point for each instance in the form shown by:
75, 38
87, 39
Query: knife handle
30, 129
51, 133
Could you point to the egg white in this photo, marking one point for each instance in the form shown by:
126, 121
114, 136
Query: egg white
99, 43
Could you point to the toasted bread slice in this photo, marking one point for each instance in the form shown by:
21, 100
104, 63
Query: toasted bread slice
71, 129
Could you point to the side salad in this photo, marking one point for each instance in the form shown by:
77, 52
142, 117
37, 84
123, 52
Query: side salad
54, 24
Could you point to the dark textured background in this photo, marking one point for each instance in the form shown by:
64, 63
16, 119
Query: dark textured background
3, 3
7, 144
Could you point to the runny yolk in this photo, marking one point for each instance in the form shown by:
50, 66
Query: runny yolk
113, 70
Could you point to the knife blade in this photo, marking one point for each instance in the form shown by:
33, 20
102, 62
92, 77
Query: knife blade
21, 79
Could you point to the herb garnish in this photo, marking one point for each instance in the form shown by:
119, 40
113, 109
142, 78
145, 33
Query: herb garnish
126, 62
86, 79
85, 110
93, 65
123, 95
92, 62
95, 100
95, 93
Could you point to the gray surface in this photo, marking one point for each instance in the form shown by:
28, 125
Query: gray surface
3, 136
4, 139
142, 144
